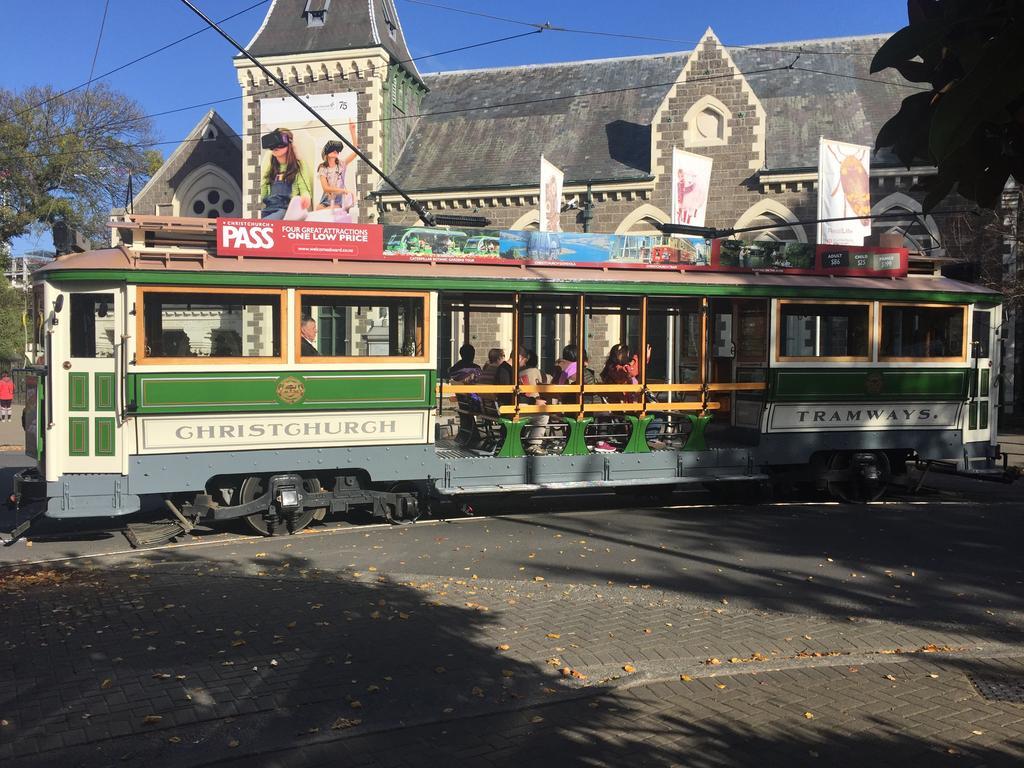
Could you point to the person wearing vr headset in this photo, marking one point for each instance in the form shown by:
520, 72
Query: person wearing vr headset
285, 182
336, 193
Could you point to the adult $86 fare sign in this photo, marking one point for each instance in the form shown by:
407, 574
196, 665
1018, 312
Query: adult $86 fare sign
267, 238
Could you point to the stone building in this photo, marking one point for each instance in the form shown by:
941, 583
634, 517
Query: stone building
201, 177
469, 142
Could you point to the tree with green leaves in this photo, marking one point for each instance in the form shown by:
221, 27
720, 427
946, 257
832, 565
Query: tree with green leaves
67, 157
970, 122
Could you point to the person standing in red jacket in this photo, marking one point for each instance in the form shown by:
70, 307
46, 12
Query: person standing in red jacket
6, 396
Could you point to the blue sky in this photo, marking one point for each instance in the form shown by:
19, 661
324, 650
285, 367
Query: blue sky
56, 47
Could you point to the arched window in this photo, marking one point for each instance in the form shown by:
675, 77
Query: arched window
708, 123
903, 217
208, 192
777, 223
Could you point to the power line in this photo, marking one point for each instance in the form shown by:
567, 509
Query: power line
134, 61
175, 110
863, 79
85, 105
461, 110
624, 35
212, 102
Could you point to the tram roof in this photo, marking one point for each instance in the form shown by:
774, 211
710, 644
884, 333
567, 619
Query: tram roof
200, 267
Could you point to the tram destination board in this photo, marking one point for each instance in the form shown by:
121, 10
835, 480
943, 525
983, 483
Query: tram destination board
311, 239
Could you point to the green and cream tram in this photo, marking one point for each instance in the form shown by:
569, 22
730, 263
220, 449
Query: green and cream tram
282, 389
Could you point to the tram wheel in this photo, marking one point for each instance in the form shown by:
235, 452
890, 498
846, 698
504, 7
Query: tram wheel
856, 489
254, 486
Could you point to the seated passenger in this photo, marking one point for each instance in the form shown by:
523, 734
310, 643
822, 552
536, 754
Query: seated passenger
465, 371
504, 376
467, 352
530, 375
495, 357
620, 368
567, 365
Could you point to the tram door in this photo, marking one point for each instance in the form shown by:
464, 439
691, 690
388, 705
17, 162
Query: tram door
87, 365
737, 354
983, 353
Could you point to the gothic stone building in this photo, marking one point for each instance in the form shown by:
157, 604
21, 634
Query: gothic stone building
469, 142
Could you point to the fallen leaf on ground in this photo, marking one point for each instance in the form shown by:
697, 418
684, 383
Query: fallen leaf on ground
174, 739
233, 743
504, 647
809, 715
629, 669
686, 678
552, 636
151, 719
890, 677
713, 661
720, 686
106, 684
343, 722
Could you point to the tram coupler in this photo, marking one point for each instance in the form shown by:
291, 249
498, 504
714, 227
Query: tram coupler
28, 500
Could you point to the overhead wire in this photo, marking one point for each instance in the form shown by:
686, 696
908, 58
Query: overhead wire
85, 107
134, 61
459, 110
274, 89
622, 35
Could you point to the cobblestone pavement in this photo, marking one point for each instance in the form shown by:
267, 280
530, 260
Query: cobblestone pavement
694, 635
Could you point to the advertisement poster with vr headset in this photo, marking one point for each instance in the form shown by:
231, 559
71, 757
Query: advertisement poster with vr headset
306, 174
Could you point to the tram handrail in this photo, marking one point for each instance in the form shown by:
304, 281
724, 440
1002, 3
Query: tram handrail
609, 407
589, 389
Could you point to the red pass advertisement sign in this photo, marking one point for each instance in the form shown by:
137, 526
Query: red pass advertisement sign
270, 238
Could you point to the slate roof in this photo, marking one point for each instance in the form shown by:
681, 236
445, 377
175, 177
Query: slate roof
460, 142
346, 24
848, 103
604, 136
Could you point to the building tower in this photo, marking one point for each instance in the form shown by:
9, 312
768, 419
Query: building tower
332, 47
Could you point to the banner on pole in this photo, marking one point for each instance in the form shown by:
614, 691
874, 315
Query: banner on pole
551, 179
691, 180
844, 192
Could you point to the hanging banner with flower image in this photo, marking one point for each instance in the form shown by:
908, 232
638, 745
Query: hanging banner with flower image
691, 180
844, 192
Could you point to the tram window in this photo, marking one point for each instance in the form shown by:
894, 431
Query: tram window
836, 331
366, 326
91, 325
192, 324
922, 332
981, 333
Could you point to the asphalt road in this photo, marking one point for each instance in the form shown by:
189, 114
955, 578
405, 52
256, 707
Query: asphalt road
551, 630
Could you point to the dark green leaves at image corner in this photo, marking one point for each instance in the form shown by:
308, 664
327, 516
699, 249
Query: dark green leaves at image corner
971, 123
